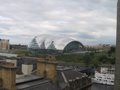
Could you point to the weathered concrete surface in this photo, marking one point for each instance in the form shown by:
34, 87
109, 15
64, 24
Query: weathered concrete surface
117, 72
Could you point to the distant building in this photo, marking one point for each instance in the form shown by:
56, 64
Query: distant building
42, 46
19, 46
99, 48
52, 46
74, 47
71, 47
4, 44
34, 45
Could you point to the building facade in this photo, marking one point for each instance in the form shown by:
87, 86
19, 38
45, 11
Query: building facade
18, 46
4, 44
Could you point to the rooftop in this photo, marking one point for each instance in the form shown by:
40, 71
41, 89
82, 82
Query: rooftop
33, 82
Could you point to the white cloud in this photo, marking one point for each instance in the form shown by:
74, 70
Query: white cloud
84, 20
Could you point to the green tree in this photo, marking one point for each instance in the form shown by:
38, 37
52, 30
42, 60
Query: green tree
87, 59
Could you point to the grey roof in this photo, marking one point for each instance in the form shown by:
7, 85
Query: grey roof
72, 75
61, 81
35, 83
69, 75
27, 78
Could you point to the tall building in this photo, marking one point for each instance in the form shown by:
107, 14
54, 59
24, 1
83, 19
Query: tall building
117, 72
4, 44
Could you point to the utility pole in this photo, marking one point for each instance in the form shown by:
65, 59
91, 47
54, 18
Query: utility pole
117, 65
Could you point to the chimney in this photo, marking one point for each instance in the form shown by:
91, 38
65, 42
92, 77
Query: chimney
8, 75
46, 67
51, 68
14, 61
41, 65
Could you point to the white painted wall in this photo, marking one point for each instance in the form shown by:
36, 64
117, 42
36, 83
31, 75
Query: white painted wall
27, 69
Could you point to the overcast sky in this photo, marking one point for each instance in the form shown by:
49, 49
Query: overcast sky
89, 21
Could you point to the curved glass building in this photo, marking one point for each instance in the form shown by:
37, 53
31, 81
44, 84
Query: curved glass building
34, 44
74, 47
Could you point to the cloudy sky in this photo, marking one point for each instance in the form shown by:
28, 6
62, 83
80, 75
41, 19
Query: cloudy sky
89, 21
